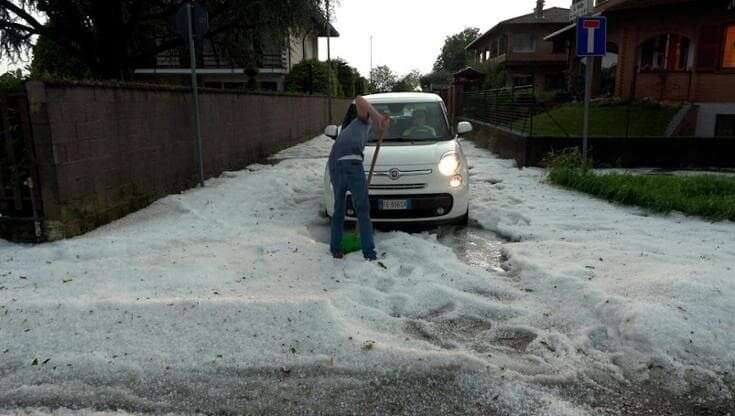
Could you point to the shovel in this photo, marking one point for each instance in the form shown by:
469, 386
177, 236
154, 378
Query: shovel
351, 241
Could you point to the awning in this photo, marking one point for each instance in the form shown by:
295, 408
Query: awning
561, 31
568, 28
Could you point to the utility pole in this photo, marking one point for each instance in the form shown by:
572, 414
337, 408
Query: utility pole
371, 59
329, 65
195, 91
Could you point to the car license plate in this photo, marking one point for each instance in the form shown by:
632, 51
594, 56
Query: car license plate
394, 204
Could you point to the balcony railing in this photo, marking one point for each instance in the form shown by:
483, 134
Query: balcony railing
173, 59
273, 61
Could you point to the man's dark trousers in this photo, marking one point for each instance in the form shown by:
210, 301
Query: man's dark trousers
349, 175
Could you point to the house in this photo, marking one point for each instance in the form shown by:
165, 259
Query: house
680, 51
275, 58
518, 46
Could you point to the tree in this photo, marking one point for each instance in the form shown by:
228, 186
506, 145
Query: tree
436, 80
495, 76
312, 77
112, 37
361, 86
50, 60
348, 77
11, 81
453, 56
382, 79
409, 83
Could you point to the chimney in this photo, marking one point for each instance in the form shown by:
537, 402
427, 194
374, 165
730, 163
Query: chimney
539, 12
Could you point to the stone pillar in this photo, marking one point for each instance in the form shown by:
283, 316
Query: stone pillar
46, 157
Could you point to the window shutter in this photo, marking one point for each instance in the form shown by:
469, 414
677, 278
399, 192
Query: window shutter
708, 48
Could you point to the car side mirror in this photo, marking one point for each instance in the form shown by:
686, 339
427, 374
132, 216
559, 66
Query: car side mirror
464, 127
331, 132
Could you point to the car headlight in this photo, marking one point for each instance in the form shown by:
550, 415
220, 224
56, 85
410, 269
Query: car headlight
449, 165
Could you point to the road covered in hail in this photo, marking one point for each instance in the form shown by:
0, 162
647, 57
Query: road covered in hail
225, 300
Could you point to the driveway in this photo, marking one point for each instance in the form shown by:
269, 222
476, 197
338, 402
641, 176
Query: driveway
224, 300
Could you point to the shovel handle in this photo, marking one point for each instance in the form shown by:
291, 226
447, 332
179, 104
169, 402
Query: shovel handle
375, 157
372, 168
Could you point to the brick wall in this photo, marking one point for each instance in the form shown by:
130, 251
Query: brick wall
628, 29
105, 151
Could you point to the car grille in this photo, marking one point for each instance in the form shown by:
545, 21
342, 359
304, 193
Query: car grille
398, 187
422, 206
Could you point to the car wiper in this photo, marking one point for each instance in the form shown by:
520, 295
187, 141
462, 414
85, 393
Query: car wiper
392, 139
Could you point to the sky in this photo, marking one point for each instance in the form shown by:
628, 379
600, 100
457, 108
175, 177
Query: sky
409, 34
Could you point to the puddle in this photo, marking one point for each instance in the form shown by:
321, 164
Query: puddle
474, 246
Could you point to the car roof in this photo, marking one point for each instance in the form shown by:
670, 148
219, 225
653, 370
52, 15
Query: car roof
403, 97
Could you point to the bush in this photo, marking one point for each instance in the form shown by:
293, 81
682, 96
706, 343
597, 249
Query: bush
349, 78
567, 159
312, 77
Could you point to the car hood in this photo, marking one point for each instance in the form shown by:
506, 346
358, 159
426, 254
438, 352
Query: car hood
394, 154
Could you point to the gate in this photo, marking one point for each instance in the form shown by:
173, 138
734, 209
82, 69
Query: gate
20, 201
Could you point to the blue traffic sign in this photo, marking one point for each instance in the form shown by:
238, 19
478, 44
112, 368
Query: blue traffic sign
591, 36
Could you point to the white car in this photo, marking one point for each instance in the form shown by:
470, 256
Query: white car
421, 173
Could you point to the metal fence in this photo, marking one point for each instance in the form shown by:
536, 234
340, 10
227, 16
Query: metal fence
20, 202
527, 112
514, 108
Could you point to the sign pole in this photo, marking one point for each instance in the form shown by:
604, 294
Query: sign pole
591, 42
587, 99
329, 65
195, 92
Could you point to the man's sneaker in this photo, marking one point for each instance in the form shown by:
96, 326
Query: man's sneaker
338, 255
374, 258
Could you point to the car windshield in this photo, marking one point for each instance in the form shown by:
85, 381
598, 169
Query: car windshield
411, 121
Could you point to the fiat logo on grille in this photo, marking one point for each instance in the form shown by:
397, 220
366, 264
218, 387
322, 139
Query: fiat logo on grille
394, 174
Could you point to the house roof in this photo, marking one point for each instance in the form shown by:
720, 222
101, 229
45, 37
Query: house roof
468, 71
615, 5
321, 27
333, 33
551, 15
612, 5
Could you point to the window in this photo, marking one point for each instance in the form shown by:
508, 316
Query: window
708, 48
503, 44
725, 125
728, 57
411, 121
523, 42
669, 52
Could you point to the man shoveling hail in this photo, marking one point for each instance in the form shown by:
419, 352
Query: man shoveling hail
348, 174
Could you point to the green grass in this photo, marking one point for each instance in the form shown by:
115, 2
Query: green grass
708, 196
605, 120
